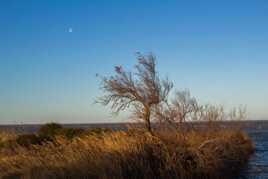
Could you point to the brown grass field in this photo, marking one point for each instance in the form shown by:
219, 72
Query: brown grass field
128, 154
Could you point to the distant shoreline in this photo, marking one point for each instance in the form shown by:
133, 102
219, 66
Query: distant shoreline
30, 128
96, 123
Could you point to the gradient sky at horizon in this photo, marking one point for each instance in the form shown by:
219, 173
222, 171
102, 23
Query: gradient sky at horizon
51, 50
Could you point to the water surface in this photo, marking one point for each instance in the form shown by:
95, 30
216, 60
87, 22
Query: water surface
257, 167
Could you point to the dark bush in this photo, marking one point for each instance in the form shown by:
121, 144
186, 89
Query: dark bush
49, 130
28, 139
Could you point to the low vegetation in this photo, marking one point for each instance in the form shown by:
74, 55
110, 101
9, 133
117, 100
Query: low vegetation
130, 154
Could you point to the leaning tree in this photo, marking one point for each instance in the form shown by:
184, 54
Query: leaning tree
142, 90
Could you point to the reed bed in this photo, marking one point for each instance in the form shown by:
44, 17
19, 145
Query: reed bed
129, 154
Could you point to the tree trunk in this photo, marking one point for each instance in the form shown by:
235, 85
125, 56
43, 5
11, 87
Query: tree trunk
147, 114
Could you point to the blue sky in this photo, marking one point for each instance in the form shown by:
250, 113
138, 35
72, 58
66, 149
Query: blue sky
217, 49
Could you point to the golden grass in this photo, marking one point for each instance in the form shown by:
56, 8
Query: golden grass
6, 135
131, 154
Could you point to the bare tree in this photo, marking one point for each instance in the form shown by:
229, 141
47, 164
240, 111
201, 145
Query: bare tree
183, 108
212, 113
217, 113
142, 90
239, 113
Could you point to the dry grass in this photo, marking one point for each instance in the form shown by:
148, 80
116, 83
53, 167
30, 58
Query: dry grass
6, 135
131, 154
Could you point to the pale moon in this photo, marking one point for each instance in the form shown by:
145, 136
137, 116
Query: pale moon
70, 30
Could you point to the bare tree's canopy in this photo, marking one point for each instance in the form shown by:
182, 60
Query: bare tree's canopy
185, 105
182, 108
142, 88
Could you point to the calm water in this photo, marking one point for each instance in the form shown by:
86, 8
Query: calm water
258, 165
